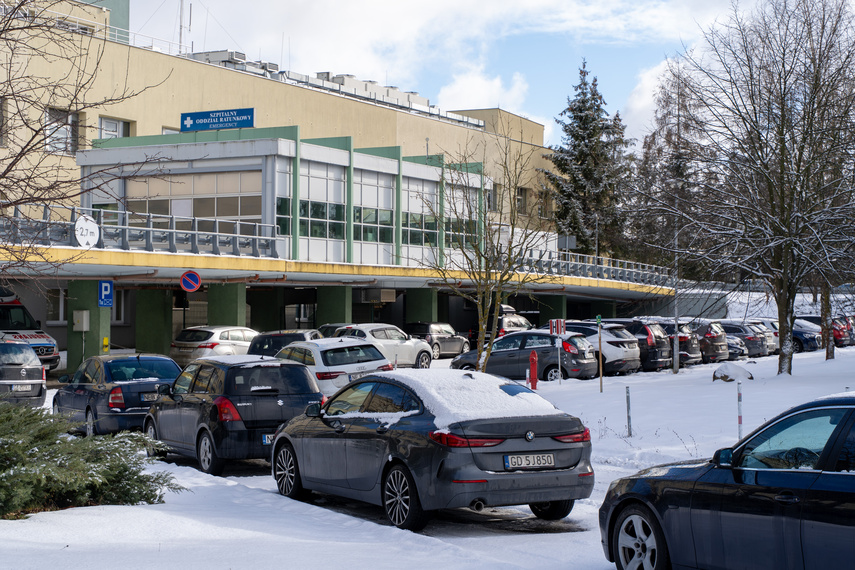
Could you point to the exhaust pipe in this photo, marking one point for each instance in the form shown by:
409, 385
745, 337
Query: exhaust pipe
477, 505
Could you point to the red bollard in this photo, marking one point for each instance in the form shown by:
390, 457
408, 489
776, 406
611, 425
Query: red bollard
532, 374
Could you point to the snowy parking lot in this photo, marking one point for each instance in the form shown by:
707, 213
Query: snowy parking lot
240, 521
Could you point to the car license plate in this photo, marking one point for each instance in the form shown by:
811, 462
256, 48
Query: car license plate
149, 396
267, 439
21, 387
185, 350
529, 461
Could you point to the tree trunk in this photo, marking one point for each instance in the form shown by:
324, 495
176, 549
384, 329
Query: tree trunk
786, 302
825, 317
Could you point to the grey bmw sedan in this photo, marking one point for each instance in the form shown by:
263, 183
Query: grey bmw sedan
421, 440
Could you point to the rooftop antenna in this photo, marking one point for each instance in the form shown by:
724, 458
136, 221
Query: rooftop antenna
181, 25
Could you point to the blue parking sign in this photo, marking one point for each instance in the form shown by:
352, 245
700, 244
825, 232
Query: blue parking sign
105, 293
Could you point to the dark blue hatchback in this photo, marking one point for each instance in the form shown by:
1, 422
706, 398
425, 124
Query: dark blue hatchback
783, 497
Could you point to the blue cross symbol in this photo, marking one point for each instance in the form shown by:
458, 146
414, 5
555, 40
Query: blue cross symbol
188, 122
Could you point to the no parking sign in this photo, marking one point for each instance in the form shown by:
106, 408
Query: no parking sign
190, 281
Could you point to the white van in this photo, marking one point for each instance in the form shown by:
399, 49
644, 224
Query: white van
16, 323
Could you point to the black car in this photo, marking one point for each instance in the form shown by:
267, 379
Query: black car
422, 440
328, 330
753, 337
689, 345
653, 344
510, 356
228, 407
22, 375
781, 498
271, 342
442, 338
111, 393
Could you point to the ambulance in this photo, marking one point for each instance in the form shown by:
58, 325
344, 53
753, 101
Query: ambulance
16, 323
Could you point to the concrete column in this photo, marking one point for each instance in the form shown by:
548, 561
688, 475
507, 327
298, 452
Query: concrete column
421, 305
552, 307
606, 309
83, 296
153, 324
335, 305
227, 304
267, 309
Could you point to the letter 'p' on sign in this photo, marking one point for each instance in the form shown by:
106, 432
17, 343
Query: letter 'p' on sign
105, 293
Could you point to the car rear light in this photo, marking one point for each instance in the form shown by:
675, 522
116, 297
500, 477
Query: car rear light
502, 332
651, 341
227, 411
451, 440
752, 338
44, 375
323, 400
116, 398
387, 367
172, 345
584, 435
568, 347
328, 375
208, 345
775, 333
683, 338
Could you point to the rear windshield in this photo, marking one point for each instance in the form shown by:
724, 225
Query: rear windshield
18, 355
350, 355
270, 345
285, 379
193, 335
620, 332
581, 343
137, 369
716, 328
657, 330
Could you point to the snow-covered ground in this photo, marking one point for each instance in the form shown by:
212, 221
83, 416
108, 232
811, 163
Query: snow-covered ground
239, 520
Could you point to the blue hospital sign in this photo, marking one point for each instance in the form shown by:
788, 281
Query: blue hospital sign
213, 120
105, 293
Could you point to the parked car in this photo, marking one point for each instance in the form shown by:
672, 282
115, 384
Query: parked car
807, 336
689, 345
713, 340
839, 328
442, 338
510, 356
509, 321
328, 330
395, 344
22, 375
653, 345
753, 337
269, 343
418, 441
204, 341
228, 407
771, 326
620, 348
111, 393
780, 498
336, 361
736, 348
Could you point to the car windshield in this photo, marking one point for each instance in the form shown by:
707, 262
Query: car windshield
16, 317
285, 379
136, 369
18, 355
193, 335
343, 355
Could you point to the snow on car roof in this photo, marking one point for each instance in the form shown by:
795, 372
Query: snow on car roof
456, 395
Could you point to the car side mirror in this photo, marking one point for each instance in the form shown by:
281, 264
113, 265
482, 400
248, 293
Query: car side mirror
313, 410
164, 389
723, 458
64, 379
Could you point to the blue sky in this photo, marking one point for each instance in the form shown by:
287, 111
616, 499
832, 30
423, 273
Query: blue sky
520, 55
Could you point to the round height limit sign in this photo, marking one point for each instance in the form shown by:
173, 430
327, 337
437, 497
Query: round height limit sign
190, 281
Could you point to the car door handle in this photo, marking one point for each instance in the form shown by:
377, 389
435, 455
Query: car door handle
787, 499
382, 429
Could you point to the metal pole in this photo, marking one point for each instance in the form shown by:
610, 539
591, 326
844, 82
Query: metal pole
628, 415
739, 405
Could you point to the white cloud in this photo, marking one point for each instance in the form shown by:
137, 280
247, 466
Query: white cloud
474, 90
639, 108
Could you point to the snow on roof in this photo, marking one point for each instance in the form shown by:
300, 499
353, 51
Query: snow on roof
456, 395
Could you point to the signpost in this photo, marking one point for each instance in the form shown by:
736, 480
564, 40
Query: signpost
214, 120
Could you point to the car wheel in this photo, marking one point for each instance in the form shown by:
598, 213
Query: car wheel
638, 541
435, 350
151, 432
423, 360
467, 367
798, 346
401, 500
206, 454
552, 510
465, 347
287, 473
90, 427
552, 374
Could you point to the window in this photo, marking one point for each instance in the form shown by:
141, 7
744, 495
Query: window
3, 121
507, 343
182, 383
543, 204
536, 340
390, 399
203, 379
373, 225
350, 400
846, 459
321, 219
492, 195
113, 128
521, 192
792, 443
62, 131
420, 229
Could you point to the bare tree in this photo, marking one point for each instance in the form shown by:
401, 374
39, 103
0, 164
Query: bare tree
496, 226
773, 96
50, 89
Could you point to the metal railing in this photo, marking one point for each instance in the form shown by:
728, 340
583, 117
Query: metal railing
587, 266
